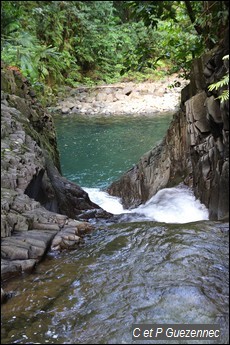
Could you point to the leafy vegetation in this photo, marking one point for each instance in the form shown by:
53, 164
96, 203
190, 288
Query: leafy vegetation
223, 83
56, 43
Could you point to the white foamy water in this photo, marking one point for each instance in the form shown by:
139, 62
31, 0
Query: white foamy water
104, 200
169, 205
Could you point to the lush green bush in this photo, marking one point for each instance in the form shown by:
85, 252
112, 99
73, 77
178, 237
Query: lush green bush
58, 43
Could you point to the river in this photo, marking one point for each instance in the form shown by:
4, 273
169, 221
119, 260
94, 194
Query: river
163, 262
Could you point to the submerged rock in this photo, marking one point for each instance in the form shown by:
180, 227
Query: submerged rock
70, 236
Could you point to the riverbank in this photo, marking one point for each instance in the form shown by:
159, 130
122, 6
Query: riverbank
127, 98
32, 211
39, 208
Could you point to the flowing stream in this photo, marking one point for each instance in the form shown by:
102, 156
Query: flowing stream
164, 262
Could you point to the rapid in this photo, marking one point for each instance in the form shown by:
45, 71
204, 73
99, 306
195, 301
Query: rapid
162, 262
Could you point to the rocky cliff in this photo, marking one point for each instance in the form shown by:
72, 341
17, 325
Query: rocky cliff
195, 149
39, 207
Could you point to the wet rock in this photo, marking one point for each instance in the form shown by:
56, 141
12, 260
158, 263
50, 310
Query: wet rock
70, 236
194, 150
72, 199
32, 199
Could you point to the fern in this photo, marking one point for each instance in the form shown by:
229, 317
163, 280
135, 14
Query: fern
224, 96
224, 81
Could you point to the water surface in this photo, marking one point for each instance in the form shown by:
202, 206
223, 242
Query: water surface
97, 151
170, 270
126, 273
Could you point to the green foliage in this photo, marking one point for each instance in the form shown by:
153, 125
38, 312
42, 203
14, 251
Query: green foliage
150, 12
219, 84
179, 46
179, 42
139, 48
58, 43
210, 18
184, 28
224, 96
38, 62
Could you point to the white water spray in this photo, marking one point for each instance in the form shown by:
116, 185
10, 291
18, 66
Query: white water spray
109, 203
169, 205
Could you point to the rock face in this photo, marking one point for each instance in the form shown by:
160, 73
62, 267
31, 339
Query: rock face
37, 202
195, 149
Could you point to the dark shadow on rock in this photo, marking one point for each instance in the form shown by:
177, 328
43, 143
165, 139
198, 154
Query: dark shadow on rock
71, 199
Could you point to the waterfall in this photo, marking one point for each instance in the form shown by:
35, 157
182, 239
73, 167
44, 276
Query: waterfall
169, 205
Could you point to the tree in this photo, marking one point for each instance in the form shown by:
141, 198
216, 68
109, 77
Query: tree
185, 28
71, 42
209, 19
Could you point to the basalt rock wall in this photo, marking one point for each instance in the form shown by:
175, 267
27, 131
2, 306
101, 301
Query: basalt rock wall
39, 207
195, 149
